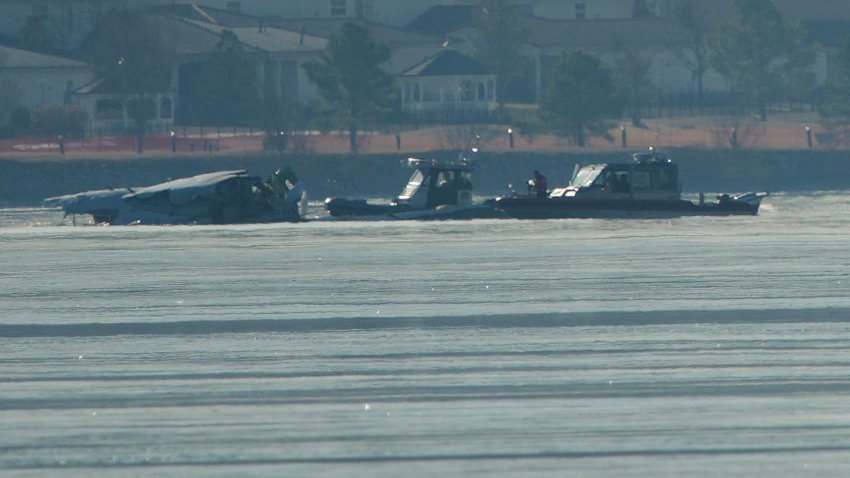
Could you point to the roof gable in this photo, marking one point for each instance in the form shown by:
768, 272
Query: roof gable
16, 58
446, 63
267, 38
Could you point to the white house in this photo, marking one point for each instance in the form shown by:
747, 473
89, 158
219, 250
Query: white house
277, 54
448, 84
585, 9
36, 80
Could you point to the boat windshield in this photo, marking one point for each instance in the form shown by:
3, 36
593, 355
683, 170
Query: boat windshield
412, 185
585, 177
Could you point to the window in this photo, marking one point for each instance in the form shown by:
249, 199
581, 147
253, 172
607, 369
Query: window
641, 180
339, 8
466, 91
581, 13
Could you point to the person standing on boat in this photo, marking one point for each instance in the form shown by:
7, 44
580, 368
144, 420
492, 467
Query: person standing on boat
285, 183
540, 185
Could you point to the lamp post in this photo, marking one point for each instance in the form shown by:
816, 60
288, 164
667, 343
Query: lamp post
511, 138
173, 142
623, 136
809, 135
61, 144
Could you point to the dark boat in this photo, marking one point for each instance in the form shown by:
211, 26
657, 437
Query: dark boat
647, 187
435, 190
222, 197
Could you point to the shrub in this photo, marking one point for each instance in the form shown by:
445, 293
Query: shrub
67, 120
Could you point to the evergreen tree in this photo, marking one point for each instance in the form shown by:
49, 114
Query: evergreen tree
579, 97
760, 54
349, 77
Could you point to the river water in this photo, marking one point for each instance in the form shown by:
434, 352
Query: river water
609, 348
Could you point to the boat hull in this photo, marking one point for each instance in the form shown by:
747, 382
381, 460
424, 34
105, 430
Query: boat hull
344, 207
566, 207
359, 209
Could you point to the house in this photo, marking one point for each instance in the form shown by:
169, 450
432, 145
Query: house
406, 47
592, 9
108, 113
65, 23
605, 26
448, 85
33, 80
398, 13
388, 12
276, 55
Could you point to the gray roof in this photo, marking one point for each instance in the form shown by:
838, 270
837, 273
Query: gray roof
326, 28
796, 10
192, 36
268, 38
441, 20
572, 34
315, 27
446, 63
16, 58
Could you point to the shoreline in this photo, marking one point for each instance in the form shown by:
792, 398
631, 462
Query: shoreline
28, 181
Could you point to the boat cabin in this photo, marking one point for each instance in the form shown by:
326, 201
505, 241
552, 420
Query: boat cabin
434, 184
650, 176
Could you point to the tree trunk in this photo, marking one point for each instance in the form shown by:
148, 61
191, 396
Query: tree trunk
700, 93
635, 116
140, 138
352, 138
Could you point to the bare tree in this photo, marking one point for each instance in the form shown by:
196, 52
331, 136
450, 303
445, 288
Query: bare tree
631, 71
132, 56
689, 40
499, 36
9, 94
761, 54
